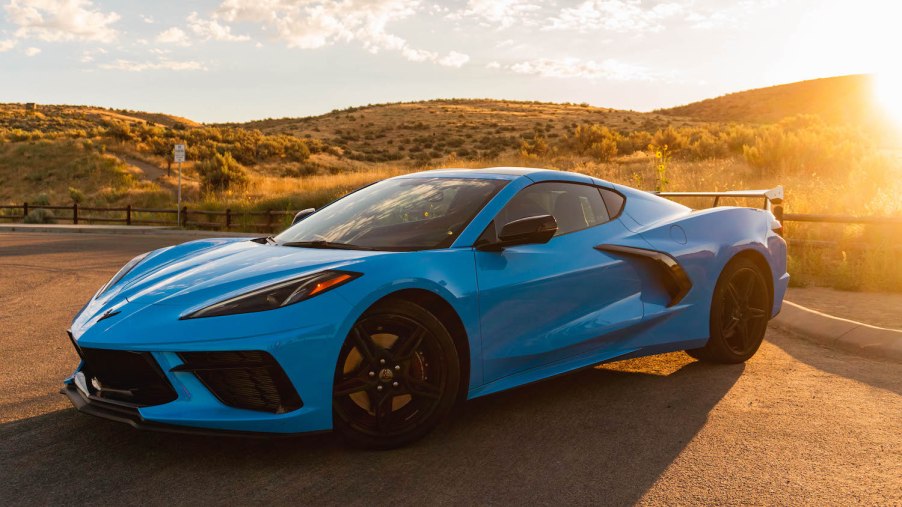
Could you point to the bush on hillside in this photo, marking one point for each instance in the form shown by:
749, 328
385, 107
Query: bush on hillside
40, 216
221, 173
76, 195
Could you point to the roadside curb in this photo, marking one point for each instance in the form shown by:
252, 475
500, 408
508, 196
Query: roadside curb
118, 229
843, 334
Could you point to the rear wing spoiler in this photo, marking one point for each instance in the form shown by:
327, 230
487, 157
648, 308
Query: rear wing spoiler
772, 199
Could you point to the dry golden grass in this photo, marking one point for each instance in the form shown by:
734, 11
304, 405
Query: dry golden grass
269, 186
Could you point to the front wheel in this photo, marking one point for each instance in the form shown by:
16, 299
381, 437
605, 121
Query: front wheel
397, 377
739, 314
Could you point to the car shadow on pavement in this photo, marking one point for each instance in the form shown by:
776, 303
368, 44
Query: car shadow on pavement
599, 436
886, 376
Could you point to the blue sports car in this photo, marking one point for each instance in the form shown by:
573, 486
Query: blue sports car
376, 314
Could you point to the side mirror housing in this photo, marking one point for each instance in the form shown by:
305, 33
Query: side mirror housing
530, 230
302, 215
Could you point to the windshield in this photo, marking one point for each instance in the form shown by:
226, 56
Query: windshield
396, 214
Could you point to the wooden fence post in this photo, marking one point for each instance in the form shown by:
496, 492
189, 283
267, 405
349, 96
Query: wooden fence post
269, 220
185, 215
128, 214
24, 210
75, 213
228, 218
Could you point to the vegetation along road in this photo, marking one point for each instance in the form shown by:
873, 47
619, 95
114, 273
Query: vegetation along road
797, 424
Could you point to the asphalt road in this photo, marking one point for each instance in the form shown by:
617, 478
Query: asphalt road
797, 424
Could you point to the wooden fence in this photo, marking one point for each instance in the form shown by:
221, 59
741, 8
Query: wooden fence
273, 220
266, 221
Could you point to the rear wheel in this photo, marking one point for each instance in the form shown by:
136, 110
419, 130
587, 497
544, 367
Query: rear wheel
740, 309
397, 376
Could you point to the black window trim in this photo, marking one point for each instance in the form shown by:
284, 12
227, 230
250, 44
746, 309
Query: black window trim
612, 216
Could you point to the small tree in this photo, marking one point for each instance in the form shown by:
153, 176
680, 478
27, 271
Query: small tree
222, 172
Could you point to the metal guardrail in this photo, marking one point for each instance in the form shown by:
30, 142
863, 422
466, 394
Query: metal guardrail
129, 215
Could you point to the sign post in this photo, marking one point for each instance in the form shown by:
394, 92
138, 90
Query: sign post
178, 155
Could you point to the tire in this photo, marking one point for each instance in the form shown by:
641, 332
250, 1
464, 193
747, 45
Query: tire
397, 377
740, 310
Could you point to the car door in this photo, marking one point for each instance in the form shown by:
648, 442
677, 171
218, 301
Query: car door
542, 303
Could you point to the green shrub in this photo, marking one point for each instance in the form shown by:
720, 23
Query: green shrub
221, 173
76, 195
39, 216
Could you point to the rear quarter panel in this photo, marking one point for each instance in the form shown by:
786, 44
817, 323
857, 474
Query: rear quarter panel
703, 242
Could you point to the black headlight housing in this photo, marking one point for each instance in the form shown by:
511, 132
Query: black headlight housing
277, 295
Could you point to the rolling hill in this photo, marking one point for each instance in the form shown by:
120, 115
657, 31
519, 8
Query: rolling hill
49, 118
403, 136
842, 99
469, 128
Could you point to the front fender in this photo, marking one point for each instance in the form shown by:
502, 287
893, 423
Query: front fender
450, 274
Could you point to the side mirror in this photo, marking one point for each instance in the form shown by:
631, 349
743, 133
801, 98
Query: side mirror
302, 215
529, 230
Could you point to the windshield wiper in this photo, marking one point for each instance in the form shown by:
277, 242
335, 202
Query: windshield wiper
324, 244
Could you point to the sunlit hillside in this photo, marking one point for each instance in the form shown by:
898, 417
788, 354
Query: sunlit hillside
55, 118
466, 128
845, 100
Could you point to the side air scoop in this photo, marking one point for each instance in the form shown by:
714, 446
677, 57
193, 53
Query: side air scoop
672, 275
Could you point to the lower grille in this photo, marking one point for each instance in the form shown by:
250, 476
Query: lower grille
128, 377
250, 380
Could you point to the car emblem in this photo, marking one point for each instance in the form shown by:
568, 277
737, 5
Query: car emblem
386, 375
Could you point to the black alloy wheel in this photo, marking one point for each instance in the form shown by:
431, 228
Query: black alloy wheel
397, 376
740, 310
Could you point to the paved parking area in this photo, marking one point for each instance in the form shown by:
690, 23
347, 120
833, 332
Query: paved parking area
797, 424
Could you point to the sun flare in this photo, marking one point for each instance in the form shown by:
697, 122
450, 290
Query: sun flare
888, 93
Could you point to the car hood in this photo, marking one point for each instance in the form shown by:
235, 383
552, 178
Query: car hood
199, 273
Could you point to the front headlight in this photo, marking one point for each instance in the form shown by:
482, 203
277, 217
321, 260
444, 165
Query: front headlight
130, 265
277, 295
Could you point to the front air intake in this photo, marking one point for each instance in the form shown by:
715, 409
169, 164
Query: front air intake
251, 380
131, 378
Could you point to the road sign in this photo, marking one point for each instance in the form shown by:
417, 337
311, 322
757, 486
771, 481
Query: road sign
178, 153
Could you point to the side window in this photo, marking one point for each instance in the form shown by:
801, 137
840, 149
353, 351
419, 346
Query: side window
573, 206
613, 201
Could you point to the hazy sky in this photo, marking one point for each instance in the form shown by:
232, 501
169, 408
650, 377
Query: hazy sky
232, 60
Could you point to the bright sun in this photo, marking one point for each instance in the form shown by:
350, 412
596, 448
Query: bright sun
888, 92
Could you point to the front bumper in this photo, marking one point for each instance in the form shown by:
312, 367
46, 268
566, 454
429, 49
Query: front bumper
98, 407
211, 397
302, 339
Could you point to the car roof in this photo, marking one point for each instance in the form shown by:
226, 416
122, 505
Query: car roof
506, 173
